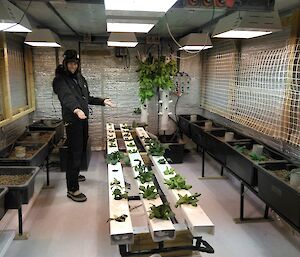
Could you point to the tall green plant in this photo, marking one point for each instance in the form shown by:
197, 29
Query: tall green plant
153, 74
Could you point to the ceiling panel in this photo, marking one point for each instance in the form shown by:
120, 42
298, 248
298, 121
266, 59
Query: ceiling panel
84, 18
41, 13
89, 18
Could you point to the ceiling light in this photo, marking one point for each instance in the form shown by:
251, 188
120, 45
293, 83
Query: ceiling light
122, 39
195, 42
138, 5
12, 19
246, 24
127, 25
42, 37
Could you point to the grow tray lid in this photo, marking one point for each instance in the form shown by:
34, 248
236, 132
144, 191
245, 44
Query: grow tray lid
19, 170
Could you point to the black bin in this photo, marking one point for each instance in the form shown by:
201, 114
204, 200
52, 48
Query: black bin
56, 125
184, 123
19, 194
216, 145
243, 166
278, 193
175, 149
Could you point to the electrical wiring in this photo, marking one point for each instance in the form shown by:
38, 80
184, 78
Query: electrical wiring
195, 53
25, 12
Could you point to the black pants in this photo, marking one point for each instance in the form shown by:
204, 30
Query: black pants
77, 136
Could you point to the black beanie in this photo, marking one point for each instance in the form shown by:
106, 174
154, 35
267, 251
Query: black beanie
71, 56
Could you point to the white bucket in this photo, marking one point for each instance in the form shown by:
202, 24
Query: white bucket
193, 117
229, 136
295, 178
20, 151
208, 125
258, 149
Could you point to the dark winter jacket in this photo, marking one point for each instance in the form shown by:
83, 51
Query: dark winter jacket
73, 93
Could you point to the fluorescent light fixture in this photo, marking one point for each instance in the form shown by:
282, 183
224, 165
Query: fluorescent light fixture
195, 42
122, 39
247, 24
43, 38
139, 5
127, 25
12, 19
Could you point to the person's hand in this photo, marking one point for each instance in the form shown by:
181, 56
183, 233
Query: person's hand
108, 102
81, 115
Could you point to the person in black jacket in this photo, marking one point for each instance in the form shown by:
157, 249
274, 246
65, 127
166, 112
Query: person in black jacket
74, 96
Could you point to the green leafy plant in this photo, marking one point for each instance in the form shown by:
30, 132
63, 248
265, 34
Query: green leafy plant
126, 134
124, 126
156, 148
121, 218
162, 211
170, 171
115, 183
240, 149
144, 177
162, 161
112, 144
192, 200
118, 194
133, 151
114, 157
118, 190
111, 140
153, 74
127, 139
256, 157
131, 144
177, 182
140, 168
149, 192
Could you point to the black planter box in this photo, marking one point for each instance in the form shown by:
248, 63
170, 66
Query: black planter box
19, 194
278, 193
56, 125
243, 166
63, 154
184, 123
41, 151
199, 133
42, 137
3, 192
175, 149
216, 145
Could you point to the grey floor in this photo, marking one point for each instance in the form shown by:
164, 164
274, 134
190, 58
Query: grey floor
61, 228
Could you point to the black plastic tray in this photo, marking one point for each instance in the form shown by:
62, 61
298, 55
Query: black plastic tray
184, 123
217, 147
243, 166
278, 193
36, 159
175, 150
3, 192
19, 194
199, 133
45, 137
56, 125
